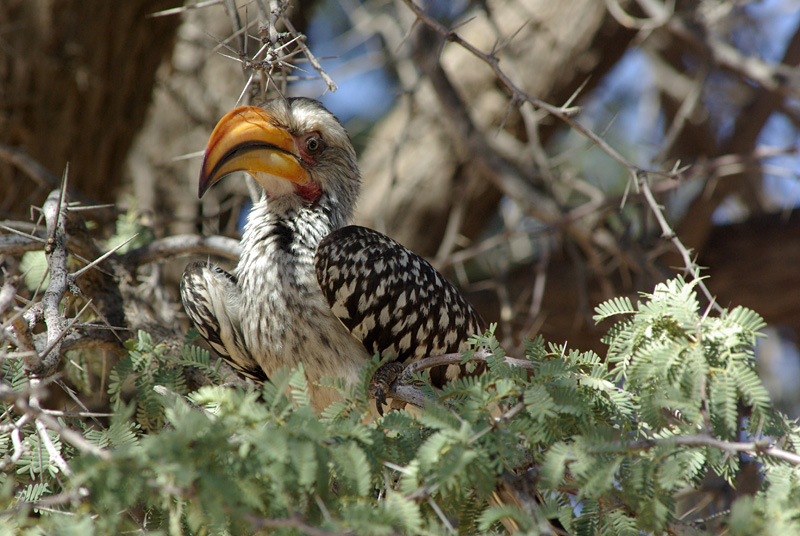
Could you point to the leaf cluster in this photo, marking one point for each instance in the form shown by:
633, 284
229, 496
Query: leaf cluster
567, 442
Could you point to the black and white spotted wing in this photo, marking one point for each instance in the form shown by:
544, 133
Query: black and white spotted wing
205, 292
391, 299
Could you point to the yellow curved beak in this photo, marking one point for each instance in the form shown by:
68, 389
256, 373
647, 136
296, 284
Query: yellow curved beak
247, 139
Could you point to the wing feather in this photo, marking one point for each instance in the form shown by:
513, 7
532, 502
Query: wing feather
205, 292
391, 299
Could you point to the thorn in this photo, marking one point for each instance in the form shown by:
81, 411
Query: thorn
21, 233
183, 9
101, 258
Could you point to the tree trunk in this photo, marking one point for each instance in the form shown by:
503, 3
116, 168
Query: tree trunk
77, 77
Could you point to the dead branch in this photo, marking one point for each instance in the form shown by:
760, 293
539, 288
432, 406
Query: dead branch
639, 175
172, 246
21, 399
55, 213
758, 448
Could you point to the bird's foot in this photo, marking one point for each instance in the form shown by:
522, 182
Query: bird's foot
381, 382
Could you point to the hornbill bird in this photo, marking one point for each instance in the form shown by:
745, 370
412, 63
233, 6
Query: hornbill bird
309, 288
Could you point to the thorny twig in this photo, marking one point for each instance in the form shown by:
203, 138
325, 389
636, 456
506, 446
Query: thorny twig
756, 448
307, 52
172, 246
55, 212
637, 173
22, 400
277, 51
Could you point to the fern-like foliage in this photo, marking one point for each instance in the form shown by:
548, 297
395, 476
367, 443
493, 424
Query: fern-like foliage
683, 362
592, 445
147, 366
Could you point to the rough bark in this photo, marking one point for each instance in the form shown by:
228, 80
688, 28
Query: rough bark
75, 79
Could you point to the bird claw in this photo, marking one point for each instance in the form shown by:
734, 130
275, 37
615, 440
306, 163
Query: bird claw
381, 382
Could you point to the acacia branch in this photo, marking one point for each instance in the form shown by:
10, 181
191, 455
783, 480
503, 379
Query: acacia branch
401, 389
260, 523
565, 113
301, 44
20, 400
774, 78
411, 395
55, 213
509, 179
756, 448
41, 354
172, 246
52, 451
455, 359
691, 267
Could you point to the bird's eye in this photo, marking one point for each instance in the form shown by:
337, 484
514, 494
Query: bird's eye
314, 144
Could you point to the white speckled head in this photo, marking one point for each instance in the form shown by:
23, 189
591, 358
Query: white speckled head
333, 167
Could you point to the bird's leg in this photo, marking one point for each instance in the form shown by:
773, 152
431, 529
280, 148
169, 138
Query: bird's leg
381, 382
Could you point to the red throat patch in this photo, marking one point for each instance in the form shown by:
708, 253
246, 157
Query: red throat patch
310, 192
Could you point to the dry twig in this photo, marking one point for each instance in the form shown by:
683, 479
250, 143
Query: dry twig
639, 175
